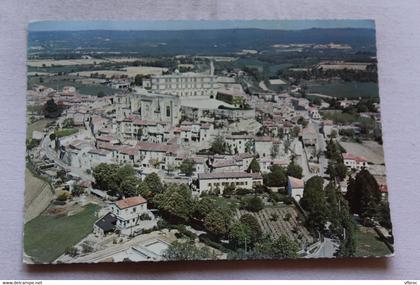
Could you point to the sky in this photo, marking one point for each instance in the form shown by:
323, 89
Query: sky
197, 25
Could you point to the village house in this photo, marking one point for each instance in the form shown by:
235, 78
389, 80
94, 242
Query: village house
267, 162
314, 113
239, 143
97, 156
132, 215
263, 146
295, 188
211, 181
157, 155
243, 160
225, 165
354, 162
105, 225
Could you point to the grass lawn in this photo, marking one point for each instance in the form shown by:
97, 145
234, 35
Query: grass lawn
65, 132
368, 243
47, 237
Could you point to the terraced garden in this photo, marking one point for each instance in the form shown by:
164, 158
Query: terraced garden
277, 221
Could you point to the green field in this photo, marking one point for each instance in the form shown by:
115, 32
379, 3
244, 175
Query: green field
47, 237
368, 244
58, 82
65, 132
343, 89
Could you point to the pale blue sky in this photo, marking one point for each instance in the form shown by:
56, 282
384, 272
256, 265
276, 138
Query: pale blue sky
197, 25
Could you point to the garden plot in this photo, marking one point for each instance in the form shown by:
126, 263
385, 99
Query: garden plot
278, 221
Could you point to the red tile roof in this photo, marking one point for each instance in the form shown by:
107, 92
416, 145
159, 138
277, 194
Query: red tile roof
130, 202
296, 182
229, 175
350, 156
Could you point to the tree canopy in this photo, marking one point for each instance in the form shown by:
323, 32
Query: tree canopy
276, 177
363, 194
51, 109
294, 170
187, 167
187, 250
219, 145
314, 202
217, 222
254, 166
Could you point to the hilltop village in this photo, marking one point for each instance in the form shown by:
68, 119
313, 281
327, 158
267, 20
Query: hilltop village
204, 163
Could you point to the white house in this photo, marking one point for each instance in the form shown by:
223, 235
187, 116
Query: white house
314, 113
132, 215
263, 146
355, 162
295, 188
211, 181
239, 143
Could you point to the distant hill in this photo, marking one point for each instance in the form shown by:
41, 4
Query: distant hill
197, 41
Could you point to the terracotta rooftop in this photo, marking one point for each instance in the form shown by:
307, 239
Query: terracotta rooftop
350, 156
229, 175
130, 202
296, 182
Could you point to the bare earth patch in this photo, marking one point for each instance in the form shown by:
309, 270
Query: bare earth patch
371, 150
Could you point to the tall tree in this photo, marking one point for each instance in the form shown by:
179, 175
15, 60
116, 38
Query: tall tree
51, 109
254, 166
217, 222
314, 202
128, 186
187, 167
152, 180
203, 207
276, 178
254, 226
363, 194
219, 145
239, 235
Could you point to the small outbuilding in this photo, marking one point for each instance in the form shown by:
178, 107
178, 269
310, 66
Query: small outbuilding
295, 188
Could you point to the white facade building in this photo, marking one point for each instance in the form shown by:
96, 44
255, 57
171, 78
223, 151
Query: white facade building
211, 181
185, 84
132, 215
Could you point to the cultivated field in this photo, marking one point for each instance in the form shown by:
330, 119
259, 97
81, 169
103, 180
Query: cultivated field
338, 88
345, 65
38, 195
130, 71
371, 150
274, 228
69, 62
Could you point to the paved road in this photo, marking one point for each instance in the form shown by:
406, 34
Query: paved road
52, 155
327, 249
323, 161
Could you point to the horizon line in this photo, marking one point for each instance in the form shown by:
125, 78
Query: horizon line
190, 25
